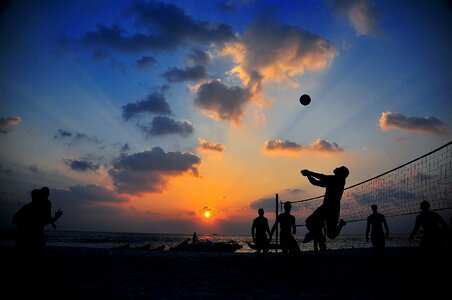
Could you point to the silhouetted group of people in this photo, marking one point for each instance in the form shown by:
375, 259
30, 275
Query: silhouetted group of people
31, 220
324, 222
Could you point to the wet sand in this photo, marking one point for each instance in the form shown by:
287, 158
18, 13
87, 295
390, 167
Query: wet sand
84, 273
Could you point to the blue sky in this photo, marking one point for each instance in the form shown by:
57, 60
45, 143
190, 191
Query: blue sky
165, 108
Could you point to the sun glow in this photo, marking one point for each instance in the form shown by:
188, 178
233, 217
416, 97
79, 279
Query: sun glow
207, 214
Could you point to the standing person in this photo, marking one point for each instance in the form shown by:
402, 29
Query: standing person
330, 209
435, 230
260, 232
286, 222
194, 238
315, 224
377, 221
31, 220
46, 206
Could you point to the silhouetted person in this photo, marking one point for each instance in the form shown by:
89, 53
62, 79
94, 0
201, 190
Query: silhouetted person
287, 228
47, 206
260, 231
31, 220
320, 239
330, 209
194, 239
435, 230
375, 223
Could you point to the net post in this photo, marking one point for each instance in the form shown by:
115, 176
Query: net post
276, 217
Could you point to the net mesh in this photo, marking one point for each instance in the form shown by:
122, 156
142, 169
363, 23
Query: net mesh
396, 192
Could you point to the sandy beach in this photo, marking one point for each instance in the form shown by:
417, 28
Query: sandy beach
86, 273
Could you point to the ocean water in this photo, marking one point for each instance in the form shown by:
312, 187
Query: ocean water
154, 240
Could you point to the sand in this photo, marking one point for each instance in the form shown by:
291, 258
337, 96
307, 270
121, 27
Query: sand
84, 273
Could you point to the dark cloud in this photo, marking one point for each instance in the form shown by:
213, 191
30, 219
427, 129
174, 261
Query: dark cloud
81, 165
362, 14
426, 125
6, 124
149, 171
165, 27
197, 56
154, 103
76, 137
194, 73
125, 148
145, 62
268, 204
221, 101
86, 194
162, 125
204, 145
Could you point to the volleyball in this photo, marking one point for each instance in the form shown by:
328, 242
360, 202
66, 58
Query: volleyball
305, 99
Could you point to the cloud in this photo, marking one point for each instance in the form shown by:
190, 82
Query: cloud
145, 62
86, 194
150, 171
154, 103
362, 14
222, 102
268, 204
194, 73
81, 165
76, 137
7, 123
295, 191
277, 51
425, 125
267, 51
197, 56
162, 125
278, 146
164, 27
205, 145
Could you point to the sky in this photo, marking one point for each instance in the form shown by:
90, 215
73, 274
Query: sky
140, 116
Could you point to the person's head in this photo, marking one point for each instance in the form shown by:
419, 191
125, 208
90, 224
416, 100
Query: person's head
45, 192
341, 172
287, 206
374, 208
35, 194
425, 205
260, 211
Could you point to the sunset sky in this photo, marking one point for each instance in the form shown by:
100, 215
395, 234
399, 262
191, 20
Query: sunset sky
142, 115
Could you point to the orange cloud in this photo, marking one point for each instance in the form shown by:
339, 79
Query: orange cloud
277, 52
286, 147
362, 14
6, 124
205, 145
425, 125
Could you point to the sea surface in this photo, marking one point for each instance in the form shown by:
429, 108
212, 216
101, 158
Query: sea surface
153, 240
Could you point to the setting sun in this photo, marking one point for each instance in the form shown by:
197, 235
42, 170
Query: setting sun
207, 214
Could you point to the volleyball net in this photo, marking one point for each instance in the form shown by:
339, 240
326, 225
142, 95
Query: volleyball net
396, 192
